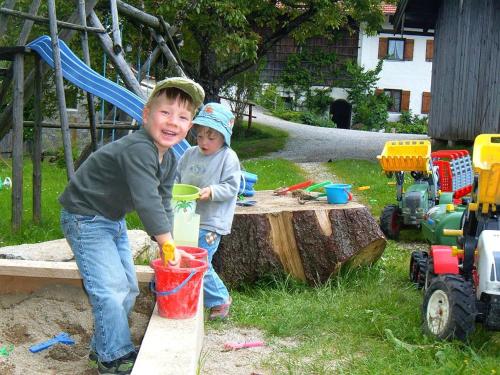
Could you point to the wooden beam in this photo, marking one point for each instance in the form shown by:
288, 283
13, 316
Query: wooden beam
138, 15
150, 61
58, 270
117, 59
37, 144
9, 53
117, 37
17, 143
61, 24
61, 97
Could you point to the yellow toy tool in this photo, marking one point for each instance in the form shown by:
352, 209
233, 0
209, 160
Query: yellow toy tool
168, 250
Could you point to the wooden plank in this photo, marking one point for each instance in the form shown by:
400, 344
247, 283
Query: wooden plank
61, 97
37, 144
17, 143
19, 284
56, 270
171, 346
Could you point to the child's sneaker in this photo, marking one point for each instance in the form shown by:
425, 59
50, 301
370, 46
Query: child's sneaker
220, 311
121, 366
93, 357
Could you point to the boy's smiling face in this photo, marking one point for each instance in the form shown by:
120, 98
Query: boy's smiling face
167, 121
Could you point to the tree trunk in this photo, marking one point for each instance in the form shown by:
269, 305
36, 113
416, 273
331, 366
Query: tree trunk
310, 242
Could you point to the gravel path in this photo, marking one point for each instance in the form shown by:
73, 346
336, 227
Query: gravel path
314, 144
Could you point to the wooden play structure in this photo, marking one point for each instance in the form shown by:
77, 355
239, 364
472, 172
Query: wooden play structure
23, 88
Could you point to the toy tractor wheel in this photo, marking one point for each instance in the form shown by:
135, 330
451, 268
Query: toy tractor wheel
449, 308
390, 221
418, 268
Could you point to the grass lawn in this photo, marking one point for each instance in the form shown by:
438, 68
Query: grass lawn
258, 141
365, 321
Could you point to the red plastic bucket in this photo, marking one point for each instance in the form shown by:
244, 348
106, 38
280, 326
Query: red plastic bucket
197, 252
177, 289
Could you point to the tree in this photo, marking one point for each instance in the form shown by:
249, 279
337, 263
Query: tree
226, 37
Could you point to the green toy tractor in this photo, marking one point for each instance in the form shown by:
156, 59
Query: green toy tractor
414, 157
432, 201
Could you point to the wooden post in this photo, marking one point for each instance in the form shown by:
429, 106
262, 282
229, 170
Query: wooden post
250, 106
117, 38
61, 98
86, 59
17, 142
37, 144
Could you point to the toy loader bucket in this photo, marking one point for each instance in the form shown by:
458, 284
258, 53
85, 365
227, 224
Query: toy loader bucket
406, 156
486, 161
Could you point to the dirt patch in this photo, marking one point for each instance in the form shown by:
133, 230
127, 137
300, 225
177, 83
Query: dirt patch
33, 318
17, 334
216, 359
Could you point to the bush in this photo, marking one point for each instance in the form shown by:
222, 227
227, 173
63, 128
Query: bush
310, 118
271, 99
409, 123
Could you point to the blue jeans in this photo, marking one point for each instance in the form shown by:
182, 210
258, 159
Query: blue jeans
103, 255
214, 291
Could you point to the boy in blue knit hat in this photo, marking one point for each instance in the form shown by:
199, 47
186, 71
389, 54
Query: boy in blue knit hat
214, 167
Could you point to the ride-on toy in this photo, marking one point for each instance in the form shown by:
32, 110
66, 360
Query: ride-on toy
462, 283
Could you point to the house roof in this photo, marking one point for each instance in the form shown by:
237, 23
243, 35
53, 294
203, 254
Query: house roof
421, 14
388, 8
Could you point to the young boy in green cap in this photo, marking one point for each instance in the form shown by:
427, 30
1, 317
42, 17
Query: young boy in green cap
134, 173
214, 167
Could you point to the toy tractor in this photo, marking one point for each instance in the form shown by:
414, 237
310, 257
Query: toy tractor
462, 283
414, 157
439, 179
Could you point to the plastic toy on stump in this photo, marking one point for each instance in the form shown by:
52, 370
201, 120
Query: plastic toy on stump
248, 180
397, 158
462, 283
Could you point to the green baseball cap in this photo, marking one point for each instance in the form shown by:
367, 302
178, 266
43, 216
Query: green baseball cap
190, 87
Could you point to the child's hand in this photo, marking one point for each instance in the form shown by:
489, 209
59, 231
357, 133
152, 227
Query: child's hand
178, 255
205, 194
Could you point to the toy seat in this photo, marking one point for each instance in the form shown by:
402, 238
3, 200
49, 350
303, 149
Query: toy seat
486, 161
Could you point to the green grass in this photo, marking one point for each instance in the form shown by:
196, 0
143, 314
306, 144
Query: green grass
274, 173
365, 321
259, 141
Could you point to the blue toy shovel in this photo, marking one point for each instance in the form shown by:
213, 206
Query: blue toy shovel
60, 338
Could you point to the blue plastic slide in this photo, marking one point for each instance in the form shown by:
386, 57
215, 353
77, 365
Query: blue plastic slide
78, 73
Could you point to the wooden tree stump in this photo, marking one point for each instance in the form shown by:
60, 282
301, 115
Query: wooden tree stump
310, 242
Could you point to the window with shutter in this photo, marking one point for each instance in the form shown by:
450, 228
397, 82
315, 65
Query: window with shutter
395, 103
429, 50
426, 102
